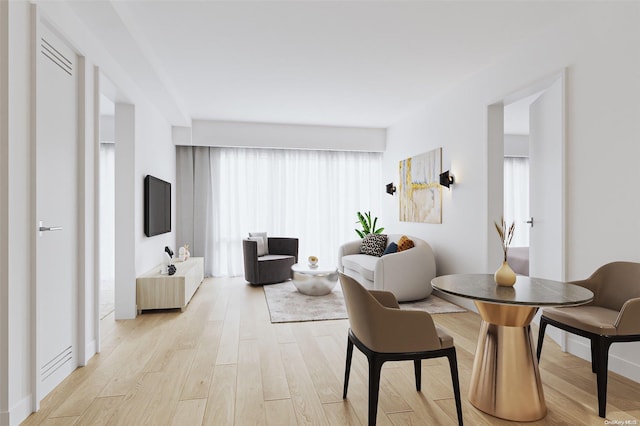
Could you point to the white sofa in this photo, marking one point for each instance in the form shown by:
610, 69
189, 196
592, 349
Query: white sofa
406, 274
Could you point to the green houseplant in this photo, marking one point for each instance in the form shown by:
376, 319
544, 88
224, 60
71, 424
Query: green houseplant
368, 225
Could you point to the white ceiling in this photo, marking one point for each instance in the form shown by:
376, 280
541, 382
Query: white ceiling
355, 63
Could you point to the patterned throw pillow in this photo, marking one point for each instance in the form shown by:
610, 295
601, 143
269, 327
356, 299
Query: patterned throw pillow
374, 244
404, 243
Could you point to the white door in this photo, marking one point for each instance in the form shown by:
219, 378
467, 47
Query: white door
57, 188
547, 183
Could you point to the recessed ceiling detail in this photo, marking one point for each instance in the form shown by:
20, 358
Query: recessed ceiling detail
361, 63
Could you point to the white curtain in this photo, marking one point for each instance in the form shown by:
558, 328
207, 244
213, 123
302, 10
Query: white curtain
311, 195
516, 198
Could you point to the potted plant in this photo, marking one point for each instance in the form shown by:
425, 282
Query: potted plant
368, 225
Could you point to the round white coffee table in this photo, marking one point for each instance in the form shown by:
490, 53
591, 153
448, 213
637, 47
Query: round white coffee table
314, 281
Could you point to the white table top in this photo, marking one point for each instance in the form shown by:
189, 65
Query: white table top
321, 269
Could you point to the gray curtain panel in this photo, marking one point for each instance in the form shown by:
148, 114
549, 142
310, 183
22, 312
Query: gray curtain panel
194, 197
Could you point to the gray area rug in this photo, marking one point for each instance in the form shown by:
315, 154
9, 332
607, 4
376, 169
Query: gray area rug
286, 304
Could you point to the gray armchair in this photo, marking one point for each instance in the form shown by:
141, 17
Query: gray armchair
275, 266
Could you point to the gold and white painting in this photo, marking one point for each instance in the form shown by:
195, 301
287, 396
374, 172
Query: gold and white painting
420, 191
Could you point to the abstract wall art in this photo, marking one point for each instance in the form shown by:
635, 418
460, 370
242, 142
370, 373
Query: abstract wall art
420, 191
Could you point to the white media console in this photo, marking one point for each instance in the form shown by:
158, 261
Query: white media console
155, 290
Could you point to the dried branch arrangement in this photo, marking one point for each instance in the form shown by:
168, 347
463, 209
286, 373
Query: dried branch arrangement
505, 234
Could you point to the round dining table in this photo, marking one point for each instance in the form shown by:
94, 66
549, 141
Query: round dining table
505, 379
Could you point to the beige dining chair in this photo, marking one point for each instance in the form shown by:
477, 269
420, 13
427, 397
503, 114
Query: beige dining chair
613, 316
383, 333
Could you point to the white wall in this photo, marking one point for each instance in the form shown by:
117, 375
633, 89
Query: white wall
153, 136
516, 145
155, 155
107, 128
19, 184
143, 146
4, 206
125, 202
603, 128
107, 199
87, 155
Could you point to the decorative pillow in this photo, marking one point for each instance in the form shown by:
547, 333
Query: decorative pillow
265, 242
404, 243
262, 251
373, 244
391, 248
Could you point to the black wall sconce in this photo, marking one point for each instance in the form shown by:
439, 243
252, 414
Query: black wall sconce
391, 188
446, 179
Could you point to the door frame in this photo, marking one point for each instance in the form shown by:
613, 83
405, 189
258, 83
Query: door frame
495, 170
561, 184
495, 162
4, 210
37, 21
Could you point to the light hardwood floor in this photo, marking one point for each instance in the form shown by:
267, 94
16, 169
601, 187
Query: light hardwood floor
222, 362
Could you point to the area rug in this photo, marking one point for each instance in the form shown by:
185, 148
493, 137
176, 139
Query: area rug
286, 304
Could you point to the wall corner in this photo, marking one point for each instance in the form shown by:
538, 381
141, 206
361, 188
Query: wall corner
181, 135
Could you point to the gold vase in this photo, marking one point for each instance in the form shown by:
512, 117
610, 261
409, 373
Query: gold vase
504, 275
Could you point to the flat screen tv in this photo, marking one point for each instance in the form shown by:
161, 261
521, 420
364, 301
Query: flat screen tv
157, 206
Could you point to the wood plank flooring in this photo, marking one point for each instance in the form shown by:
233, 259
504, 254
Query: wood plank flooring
222, 362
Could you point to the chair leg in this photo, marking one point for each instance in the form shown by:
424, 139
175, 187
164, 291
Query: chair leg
602, 373
375, 365
453, 365
594, 356
543, 326
417, 367
347, 368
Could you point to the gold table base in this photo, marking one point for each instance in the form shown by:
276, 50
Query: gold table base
505, 381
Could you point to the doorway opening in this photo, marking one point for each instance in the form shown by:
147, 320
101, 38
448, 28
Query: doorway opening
516, 180
544, 145
546, 153
116, 202
107, 207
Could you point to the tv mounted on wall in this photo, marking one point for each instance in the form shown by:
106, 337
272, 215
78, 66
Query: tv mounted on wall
157, 206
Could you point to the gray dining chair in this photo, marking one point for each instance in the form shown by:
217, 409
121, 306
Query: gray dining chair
612, 317
383, 332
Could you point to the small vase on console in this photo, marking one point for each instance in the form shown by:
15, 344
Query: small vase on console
183, 253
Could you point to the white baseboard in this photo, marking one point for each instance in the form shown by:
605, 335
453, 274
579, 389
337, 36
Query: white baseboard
624, 367
90, 349
581, 347
18, 413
